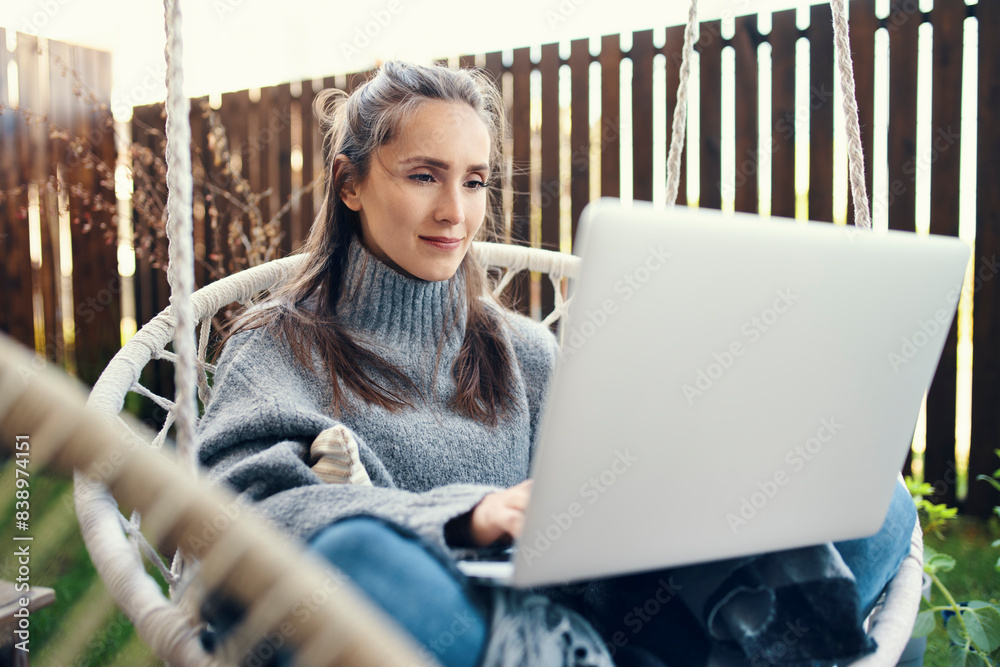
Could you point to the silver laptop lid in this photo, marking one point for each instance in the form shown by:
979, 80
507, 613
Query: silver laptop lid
730, 385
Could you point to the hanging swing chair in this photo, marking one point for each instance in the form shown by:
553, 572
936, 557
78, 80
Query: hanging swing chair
170, 625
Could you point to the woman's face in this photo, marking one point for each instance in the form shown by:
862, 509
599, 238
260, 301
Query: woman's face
424, 198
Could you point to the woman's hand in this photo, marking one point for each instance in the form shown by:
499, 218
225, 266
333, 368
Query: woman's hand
500, 514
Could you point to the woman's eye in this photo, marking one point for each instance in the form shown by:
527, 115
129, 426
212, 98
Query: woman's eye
476, 185
422, 178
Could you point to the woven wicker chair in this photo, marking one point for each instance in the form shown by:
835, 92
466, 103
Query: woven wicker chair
247, 560
115, 542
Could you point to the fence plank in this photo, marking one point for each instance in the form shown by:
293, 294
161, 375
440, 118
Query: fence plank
642, 115
266, 145
280, 125
821, 107
864, 23
17, 259
204, 171
550, 193
32, 158
986, 325
493, 65
142, 278
6, 182
44, 173
60, 113
610, 116
579, 64
311, 152
946, 118
710, 49
99, 286
520, 218
783, 38
673, 49
236, 112
745, 41
152, 293
903, 23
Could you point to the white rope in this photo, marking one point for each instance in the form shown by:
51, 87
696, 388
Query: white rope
180, 270
149, 551
855, 155
680, 110
204, 391
164, 403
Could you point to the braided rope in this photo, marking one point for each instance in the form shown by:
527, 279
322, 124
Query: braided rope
855, 155
180, 270
679, 124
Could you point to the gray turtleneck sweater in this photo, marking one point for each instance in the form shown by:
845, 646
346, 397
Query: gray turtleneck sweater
428, 464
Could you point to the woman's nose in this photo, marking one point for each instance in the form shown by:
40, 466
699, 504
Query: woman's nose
450, 207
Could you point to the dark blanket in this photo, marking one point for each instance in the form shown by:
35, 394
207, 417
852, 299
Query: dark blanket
796, 607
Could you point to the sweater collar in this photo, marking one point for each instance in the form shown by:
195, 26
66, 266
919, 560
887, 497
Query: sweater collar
397, 309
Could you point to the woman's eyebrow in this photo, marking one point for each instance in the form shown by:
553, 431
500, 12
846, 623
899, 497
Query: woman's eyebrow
440, 164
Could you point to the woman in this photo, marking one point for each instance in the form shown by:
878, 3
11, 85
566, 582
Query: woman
385, 331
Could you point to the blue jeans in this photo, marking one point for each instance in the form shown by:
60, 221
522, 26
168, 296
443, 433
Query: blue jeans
875, 560
436, 606
417, 590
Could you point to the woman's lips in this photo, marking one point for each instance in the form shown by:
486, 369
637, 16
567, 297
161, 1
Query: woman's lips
442, 242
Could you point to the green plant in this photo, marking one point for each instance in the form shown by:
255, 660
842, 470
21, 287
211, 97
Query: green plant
973, 627
933, 518
994, 480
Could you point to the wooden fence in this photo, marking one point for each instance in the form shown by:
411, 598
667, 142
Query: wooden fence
56, 235
557, 150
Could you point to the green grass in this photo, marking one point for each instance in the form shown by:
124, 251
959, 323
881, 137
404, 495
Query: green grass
974, 577
59, 560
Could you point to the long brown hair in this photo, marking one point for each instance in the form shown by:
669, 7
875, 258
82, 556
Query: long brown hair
356, 126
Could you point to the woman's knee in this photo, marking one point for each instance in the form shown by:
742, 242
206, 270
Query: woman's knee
402, 576
875, 560
356, 535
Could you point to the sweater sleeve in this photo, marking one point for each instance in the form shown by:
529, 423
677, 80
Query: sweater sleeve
254, 438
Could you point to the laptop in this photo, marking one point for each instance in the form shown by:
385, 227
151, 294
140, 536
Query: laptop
728, 385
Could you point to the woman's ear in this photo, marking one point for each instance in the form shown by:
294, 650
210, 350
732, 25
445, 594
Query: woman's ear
350, 193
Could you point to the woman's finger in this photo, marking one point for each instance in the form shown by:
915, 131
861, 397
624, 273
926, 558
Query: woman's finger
518, 495
517, 498
515, 524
